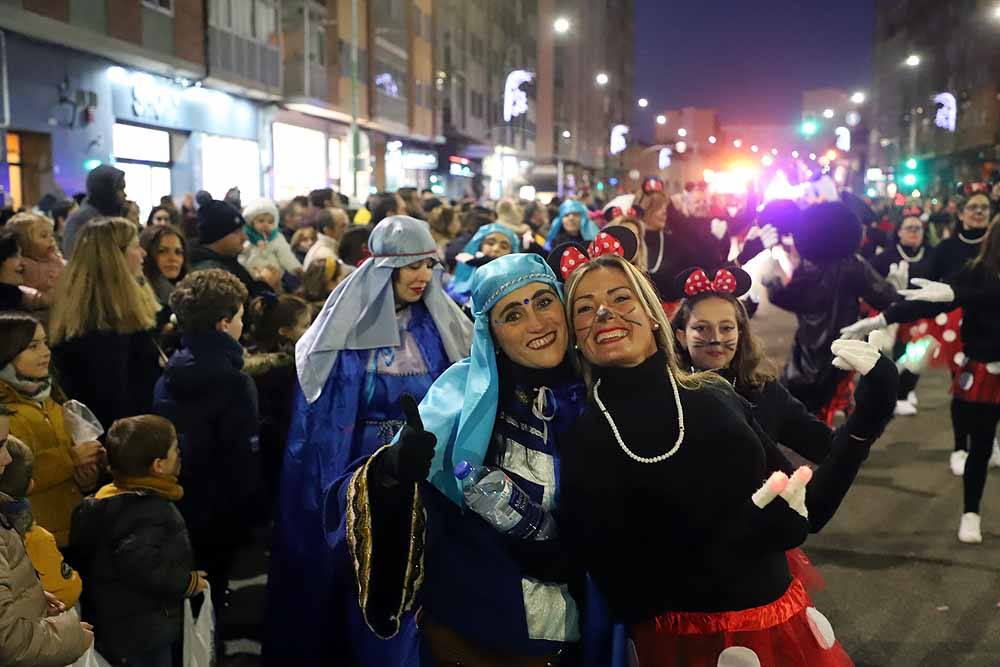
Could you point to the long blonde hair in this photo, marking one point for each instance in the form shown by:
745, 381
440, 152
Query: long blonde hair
97, 291
644, 290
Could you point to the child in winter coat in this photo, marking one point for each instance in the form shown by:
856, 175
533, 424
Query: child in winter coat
267, 246
35, 633
136, 556
58, 578
39, 255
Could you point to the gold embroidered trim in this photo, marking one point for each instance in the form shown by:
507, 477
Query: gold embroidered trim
360, 544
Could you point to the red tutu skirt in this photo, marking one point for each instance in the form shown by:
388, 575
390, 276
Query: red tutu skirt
802, 569
974, 384
789, 632
946, 328
840, 402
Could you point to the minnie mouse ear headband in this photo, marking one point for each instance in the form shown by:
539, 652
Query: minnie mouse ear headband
652, 184
969, 189
729, 280
612, 213
568, 257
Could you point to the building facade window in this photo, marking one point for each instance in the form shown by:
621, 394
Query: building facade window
165, 6
255, 20
144, 155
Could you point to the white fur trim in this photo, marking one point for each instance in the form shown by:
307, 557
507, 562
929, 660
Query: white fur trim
258, 207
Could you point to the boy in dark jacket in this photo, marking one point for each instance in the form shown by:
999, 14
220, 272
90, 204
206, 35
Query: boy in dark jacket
138, 560
213, 405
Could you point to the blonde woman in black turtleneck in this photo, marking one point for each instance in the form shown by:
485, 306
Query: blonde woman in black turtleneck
657, 485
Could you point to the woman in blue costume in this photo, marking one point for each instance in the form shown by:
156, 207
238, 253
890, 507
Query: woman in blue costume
388, 329
438, 583
572, 225
488, 243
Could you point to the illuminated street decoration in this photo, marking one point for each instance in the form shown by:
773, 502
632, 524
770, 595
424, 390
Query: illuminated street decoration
387, 84
618, 142
664, 160
947, 111
515, 100
843, 139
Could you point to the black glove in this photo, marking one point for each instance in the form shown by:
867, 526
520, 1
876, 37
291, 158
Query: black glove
874, 400
409, 460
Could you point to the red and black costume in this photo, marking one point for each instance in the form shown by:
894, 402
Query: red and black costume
681, 555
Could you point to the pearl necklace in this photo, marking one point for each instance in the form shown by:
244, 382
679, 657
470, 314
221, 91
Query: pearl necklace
659, 256
614, 428
916, 258
969, 241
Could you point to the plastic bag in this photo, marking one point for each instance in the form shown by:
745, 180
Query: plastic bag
199, 633
81, 423
91, 659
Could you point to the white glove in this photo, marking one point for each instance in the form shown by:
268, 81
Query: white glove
463, 257
856, 355
862, 328
993, 368
769, 236
928, 290
719, 228
899, 275
526, 239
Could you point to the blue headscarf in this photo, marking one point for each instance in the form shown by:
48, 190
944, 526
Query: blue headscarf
588, 228
361, 313
462, 283
461, 405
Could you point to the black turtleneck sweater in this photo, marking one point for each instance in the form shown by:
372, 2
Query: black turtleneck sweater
667, 536
921, 260
953, 253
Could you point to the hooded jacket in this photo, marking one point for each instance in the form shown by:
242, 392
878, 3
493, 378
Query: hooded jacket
29, 638
102, 185
136, 559
41, 427
213, 405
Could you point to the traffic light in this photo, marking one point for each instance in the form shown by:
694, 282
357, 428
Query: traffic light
911, 164
809, 127
910, 180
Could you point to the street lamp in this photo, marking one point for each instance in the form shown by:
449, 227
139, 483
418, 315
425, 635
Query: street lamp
737, 143
754, 148
913, 60
661, 120
795, 154
561, 25
858, 98
601, 79
827, 113
643, 103
712, 139
774, 152
682, 132
566, 134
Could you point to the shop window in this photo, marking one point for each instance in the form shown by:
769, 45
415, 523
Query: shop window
227, 162
14, 170
144, 155
300, 156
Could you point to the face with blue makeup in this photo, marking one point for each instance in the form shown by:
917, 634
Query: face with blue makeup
529, 325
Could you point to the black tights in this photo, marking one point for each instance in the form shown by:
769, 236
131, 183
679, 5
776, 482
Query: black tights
979, 423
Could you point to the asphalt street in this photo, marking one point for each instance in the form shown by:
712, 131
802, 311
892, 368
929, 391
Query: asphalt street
901, 590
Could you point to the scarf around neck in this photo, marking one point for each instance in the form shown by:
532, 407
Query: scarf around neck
32, 389
165, 486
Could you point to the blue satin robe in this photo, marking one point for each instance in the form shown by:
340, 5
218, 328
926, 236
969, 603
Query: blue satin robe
357, 413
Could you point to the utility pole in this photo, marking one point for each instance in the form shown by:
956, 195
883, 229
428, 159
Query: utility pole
355, 143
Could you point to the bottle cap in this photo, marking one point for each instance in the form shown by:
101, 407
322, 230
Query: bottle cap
463, 469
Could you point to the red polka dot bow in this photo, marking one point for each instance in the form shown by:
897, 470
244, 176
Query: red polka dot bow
698, 282
617, 212
573, 258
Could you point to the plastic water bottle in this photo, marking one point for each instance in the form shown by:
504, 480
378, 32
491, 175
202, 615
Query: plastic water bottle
494, 496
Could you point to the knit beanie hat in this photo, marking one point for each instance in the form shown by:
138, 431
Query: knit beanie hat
217, 219
259, 207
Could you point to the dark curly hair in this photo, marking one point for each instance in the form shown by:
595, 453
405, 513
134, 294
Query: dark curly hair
205, 297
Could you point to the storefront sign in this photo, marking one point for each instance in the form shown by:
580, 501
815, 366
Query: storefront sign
462, 170
515, 100
419, 161
154, 100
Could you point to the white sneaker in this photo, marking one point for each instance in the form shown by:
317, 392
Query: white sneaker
905, 409
995, 457
968, 529
911, 398
957, 462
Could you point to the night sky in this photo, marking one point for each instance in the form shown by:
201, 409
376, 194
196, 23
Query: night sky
751, 59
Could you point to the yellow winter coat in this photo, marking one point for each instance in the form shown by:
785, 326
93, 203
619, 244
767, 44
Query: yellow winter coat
57, 576
41, 427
